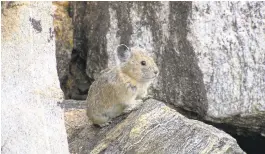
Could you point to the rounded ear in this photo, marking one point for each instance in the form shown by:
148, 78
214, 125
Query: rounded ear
124, 53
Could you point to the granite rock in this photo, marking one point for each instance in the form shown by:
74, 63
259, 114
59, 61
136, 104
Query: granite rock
31, 121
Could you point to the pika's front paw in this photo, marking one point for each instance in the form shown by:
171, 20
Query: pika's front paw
134, 106
147, 97
103, 125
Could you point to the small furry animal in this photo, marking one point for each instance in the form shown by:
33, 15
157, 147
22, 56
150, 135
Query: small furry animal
119, 89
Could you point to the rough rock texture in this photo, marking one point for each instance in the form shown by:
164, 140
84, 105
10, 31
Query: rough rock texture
155, 128
71, 68
210, 54
63, 30
229, 42
31, 121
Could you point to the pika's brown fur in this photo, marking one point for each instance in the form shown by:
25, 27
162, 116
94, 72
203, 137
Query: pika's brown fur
116, 91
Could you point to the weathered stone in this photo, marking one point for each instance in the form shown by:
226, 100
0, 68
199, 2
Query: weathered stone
229, 41
70, 64
210, 54
63, 30
154, 128
31, 121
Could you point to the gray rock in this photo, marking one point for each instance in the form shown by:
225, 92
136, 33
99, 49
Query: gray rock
31, 121
63, 33
210, 54
154, 128
229, 42
71, 67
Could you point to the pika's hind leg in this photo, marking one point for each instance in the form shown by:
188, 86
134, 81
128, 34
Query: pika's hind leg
133, 106
100, 120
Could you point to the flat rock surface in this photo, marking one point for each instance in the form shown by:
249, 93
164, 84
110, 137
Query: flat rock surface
154, 128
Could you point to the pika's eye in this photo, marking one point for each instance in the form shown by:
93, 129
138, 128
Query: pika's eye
143, 63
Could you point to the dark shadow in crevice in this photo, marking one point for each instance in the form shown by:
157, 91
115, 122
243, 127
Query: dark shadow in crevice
250, 142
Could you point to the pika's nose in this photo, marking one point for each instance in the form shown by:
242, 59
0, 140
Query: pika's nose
156, 72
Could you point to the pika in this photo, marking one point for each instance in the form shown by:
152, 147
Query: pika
119, 89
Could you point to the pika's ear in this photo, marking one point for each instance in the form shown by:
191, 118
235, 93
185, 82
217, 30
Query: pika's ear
123, 52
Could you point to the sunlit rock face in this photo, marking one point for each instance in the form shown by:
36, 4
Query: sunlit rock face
210, 54
31, 121
228, 39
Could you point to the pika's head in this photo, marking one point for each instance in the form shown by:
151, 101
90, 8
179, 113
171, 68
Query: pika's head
137, 64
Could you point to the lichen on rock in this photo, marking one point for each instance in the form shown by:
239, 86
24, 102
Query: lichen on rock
155, 128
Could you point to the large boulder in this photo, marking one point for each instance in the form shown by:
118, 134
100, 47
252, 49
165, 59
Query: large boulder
31, 121
210, 54
154, 128
229, 42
